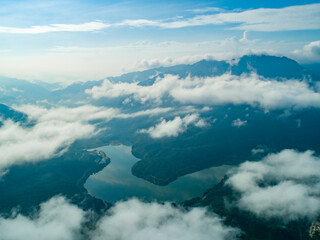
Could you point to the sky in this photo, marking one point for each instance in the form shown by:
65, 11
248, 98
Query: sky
67, 41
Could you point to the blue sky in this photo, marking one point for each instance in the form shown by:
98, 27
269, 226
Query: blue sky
80, 40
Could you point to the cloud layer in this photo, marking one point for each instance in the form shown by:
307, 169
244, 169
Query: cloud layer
173, 128
132, 219
303, 17
55, 129
57, 219
296, 18
245, 89
19, 144
283, 185
83, 27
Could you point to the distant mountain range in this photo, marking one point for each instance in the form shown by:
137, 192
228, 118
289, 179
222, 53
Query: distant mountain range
208, 135
9, 113
15, 90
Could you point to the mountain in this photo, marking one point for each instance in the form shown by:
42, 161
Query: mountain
253, 227
258, 132
164, 160
264, 65
21, 91
30, 184
269, 67
9, 113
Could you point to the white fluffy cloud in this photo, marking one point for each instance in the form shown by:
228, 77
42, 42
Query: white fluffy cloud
173, 128
55, 129
239, 123
57, 219
132, 219
309, 53
245, 89
19, 144
283, 185
154, 92
157, 221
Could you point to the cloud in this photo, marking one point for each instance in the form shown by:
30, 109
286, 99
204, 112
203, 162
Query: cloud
152, 220
245, 89
65, 64
302, 17
148, 112
313, 48
205, 10
44, 140
244, 37
84, 113
154, 92
132, 219
83, 27
239, 123
309, 53
55, 129
65, 114
73, 49
283, 185
173, 128
56, 219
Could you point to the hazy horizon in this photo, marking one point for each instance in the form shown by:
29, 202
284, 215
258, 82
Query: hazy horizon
68, 41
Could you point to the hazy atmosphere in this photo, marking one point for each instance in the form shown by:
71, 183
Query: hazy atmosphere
132, 120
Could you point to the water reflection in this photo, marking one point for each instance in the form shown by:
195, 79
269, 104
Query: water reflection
115, 182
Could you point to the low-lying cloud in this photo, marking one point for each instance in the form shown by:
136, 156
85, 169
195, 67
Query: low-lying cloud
309, 53
132, 219
142, 94
284, 185
19, 144
226, 89
81, 113
85, 113
173, 128
54, 130
239, 123
56, 219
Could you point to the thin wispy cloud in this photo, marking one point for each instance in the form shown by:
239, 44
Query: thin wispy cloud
82, 27
304, 17
206, 10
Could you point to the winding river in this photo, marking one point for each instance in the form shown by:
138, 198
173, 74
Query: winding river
115, 182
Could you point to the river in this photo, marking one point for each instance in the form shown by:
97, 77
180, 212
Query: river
115, 182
